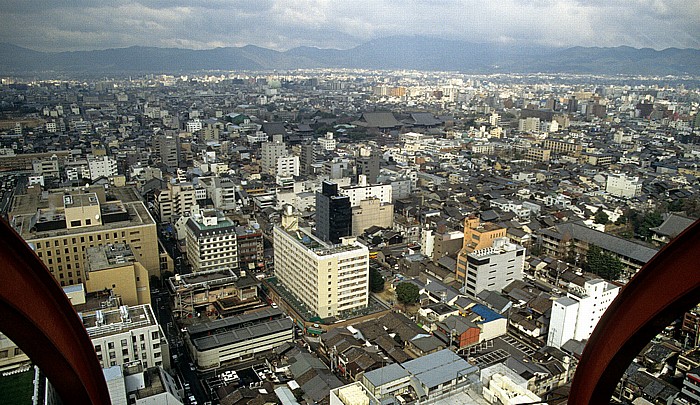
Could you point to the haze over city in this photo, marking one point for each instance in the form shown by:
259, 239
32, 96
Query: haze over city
280, 25
349, 203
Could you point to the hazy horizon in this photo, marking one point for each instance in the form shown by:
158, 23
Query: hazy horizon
78, 25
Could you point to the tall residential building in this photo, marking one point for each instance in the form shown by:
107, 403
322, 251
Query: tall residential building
287, 166
176, 200
114, 267
576, 315
127, 335
270, 152
494, 267
307, 158
333, 213
328, 279
368, 166
371, 212
250, 247
167, 147
211, 241
60, 225
477, 235
620, 185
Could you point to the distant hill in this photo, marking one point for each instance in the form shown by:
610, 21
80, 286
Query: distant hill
401, 52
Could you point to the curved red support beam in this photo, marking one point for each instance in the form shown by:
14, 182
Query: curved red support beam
666, 287
38, 317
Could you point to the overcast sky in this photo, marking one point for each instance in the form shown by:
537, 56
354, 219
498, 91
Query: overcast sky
59, 25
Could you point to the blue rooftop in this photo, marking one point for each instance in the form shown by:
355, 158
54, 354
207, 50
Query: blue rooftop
485, 313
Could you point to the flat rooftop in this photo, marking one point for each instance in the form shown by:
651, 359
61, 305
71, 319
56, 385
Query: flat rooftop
203, 279
109, 256
233, 322
304, 237
242, 334
23, 219
109, 322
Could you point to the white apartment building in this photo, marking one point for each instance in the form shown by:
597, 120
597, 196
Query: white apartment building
101, 166
287, 166
576, 315
270, 152
221, 190
211, 241
364, 191
194, 125
327, 142
620, 185
494, 267
257, 137
127, 335
328, 279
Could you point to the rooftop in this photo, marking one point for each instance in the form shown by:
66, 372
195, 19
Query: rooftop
104, 323
109, 256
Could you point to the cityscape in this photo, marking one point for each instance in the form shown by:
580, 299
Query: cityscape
280, 225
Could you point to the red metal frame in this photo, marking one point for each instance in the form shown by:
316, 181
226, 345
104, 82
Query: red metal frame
666, 287
38, 317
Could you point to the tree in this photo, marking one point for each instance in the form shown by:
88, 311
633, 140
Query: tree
376, 281
407, 293
601, 217
603, 264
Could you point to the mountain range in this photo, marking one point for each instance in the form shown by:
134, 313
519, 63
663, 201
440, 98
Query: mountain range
400, 52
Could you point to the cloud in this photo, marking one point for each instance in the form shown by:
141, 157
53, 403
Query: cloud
283, 24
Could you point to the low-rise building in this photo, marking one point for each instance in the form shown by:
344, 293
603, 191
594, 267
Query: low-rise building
213, 292
238, 337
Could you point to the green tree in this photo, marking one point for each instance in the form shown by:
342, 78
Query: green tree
407, 293
601, 217
376, 281
603, 264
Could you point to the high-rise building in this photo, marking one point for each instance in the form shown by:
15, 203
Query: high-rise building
329, 279
211, 241
60, 225
270, 152
477, 235
576, 315
333, 213
494, 267
307, 157
167, 147
368, 166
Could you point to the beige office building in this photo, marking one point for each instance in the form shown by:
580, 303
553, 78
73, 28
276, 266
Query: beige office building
371, 212
114, 267
60, 225
330, 280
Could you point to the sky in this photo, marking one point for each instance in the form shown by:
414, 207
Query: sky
68, 25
